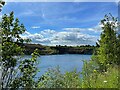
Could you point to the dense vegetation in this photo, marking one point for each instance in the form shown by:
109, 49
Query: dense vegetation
15, 73
48, 50
100, 72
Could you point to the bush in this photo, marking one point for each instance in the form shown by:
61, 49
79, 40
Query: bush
54, 79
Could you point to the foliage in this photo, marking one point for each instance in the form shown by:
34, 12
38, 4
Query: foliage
107, 52
48, 50
74, 49
92, 78
102, 70
15, 73
54, 79
10, 29
28, 69
87, 71
72, 79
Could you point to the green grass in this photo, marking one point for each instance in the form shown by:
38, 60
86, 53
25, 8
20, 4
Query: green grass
97, 79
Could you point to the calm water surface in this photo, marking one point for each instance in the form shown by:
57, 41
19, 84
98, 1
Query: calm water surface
66, 62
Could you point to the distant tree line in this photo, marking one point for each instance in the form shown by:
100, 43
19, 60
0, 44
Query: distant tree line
58, 49
86, 49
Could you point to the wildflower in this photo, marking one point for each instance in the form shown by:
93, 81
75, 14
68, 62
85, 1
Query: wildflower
105, 81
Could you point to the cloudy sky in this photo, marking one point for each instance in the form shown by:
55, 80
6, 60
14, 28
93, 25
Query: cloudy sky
60, 23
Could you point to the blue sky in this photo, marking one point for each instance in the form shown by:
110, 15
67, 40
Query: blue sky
60, 23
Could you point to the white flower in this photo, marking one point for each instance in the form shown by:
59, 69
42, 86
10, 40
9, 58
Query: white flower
105, 81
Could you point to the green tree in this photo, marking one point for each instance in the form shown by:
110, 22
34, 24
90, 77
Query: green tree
26, 77
106, 53
12, 68
118, 50
10, 31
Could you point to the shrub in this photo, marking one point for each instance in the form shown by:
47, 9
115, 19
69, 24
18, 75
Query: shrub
54, 79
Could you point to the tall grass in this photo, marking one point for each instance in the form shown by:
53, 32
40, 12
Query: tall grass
93, 78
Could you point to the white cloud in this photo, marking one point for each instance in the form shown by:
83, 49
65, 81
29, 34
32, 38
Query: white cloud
71, 36
44, 40
33, 37
95, 29
35, 27
73, 29
48, 31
